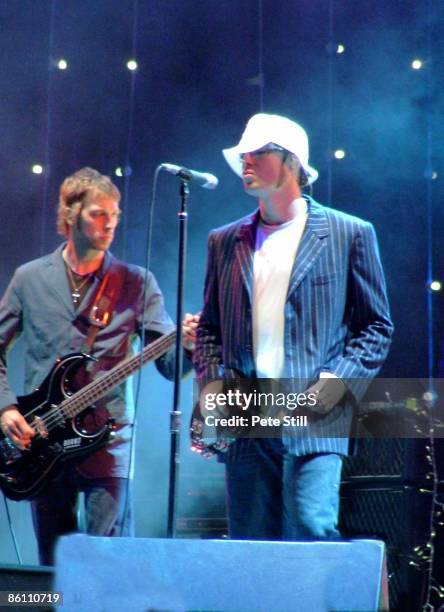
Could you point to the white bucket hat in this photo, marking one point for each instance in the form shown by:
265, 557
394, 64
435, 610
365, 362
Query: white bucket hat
263, 129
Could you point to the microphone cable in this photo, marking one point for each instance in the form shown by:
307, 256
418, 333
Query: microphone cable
147, 264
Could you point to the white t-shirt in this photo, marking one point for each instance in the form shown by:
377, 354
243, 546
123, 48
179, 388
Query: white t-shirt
274, 256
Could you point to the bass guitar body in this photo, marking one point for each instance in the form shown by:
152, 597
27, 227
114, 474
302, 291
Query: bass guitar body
60, 434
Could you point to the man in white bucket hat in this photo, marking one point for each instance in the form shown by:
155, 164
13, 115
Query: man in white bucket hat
296, 291
262, 130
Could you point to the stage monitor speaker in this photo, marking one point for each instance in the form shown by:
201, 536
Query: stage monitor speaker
116, 574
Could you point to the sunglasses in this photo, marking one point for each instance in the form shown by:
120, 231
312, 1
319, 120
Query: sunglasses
269, 148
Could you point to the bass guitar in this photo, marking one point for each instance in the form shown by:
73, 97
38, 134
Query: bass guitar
65, 421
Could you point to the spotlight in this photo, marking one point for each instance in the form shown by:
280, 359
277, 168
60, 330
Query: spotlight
132, 65
123, 171
37, 169
339, 154
435, 285
62, 64
430, 175
340, 49
417, 64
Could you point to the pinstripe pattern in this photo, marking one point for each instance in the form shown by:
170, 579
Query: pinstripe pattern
336, 313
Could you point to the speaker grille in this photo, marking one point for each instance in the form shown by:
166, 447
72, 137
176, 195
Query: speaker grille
400, 517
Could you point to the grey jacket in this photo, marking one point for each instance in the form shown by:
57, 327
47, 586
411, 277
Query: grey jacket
38, 304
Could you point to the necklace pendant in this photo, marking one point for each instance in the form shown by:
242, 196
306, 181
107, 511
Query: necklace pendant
75, 297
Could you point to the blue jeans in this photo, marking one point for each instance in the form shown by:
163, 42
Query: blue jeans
54, 512
272, 495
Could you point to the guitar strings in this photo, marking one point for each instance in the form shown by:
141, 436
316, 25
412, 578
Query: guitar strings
62, 411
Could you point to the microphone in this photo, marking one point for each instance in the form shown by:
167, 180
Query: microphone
204, 179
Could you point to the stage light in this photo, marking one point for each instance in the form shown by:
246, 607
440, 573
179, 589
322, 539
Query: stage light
132, 65
62, 64
37, 169
417, 64
123, 171
435, 285
340, 49
339, 154
430, 175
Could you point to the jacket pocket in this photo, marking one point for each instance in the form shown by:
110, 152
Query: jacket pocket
324, 279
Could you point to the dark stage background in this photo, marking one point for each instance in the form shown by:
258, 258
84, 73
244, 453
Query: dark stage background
204, 67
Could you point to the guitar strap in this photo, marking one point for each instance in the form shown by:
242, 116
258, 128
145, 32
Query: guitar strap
102, 309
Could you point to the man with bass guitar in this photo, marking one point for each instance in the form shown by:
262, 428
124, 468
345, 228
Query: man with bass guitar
80, 300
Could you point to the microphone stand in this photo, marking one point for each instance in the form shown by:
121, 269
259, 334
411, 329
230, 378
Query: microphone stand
175, 415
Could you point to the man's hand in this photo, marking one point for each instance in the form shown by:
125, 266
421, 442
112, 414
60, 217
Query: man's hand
328, 393
189, 330
14, 426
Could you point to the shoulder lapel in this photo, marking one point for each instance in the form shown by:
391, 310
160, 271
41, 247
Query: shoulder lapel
244, 248
58, 280
311, 245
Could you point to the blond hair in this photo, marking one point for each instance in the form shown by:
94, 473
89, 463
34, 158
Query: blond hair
76, 189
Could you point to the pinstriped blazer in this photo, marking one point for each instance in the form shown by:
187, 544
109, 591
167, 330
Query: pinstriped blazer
336, 314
